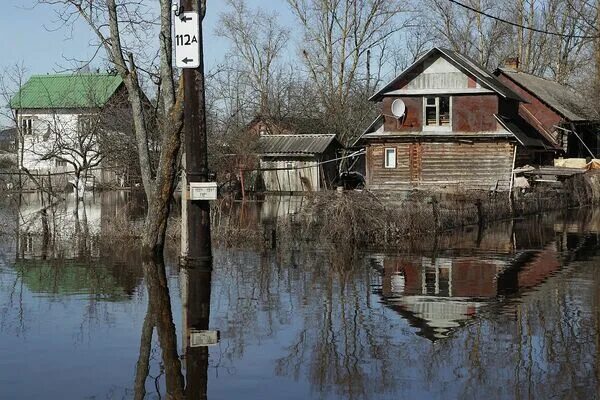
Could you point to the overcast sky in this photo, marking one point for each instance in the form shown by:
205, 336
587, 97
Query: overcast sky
25, 39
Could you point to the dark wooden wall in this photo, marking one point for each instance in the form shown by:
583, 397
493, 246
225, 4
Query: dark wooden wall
542, 113
470, 113
474, 113
482, 165
411, 122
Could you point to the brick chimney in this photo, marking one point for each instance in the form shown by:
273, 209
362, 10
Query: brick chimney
512, 63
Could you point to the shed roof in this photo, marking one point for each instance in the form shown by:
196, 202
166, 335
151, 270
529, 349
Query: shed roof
295, 144
562, 99
66, 91
484, 77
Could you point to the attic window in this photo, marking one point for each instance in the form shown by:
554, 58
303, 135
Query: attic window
85, 124
437, 111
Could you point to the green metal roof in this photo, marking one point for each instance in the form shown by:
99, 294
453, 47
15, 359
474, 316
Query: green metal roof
70, 277
66, 91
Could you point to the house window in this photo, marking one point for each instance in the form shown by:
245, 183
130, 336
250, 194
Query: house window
390, 158
26, 125
438, 111
60, 163
85, 124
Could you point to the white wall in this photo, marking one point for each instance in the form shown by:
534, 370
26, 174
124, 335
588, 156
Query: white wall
35, 146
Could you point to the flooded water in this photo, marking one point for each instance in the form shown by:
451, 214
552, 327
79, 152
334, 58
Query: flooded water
511, 311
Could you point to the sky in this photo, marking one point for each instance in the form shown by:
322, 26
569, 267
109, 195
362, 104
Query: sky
25, 36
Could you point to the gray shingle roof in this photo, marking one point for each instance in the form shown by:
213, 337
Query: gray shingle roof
464, 63
565, 101
294, 144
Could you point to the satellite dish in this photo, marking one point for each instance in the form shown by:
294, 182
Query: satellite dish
398, 108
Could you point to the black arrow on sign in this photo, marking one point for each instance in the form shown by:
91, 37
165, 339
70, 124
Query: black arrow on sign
186, 19
187, 60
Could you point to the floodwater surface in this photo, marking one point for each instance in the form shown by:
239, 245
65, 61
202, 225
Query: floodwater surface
511, 311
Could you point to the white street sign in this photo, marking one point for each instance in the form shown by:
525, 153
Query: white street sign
187, 40
204, 338
203, 190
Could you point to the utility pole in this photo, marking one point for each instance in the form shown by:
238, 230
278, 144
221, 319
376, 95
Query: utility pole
195, 302
195, 221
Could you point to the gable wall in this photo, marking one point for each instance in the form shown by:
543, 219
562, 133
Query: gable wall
438, 73
473, 107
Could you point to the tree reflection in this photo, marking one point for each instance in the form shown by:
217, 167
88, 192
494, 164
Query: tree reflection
528, 334
196, 287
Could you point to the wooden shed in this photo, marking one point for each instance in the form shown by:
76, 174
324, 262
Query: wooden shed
298, 163
446, 121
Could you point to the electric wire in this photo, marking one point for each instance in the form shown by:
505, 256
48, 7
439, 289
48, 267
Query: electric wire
522, 26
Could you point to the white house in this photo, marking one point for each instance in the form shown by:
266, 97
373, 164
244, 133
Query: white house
62, 120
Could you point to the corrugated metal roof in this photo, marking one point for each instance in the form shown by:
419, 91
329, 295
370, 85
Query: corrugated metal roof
567, 102
484, 77
294, 144
66, 91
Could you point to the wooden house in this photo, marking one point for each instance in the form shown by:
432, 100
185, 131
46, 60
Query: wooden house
556, 112
298, 163
447, 122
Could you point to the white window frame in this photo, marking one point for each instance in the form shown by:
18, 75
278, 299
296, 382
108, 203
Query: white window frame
437, 127
385, 157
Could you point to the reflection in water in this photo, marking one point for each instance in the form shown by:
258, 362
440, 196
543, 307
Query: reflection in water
512, 311
195, 292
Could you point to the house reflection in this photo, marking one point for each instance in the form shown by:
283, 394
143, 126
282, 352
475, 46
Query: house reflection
62, 248
441, 291
438, 295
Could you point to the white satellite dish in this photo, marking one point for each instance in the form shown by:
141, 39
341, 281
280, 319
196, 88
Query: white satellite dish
398, 108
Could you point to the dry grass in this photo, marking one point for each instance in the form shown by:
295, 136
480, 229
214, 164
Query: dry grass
364, 219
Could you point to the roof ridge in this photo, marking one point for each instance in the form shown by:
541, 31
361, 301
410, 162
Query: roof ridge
513, 71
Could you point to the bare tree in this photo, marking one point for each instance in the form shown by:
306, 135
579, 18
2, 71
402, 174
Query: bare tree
122, 27
11, 80
466, 31
337, 36
258, 41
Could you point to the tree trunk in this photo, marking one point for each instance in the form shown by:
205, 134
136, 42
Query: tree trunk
160, 303
597, 49
159, 200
